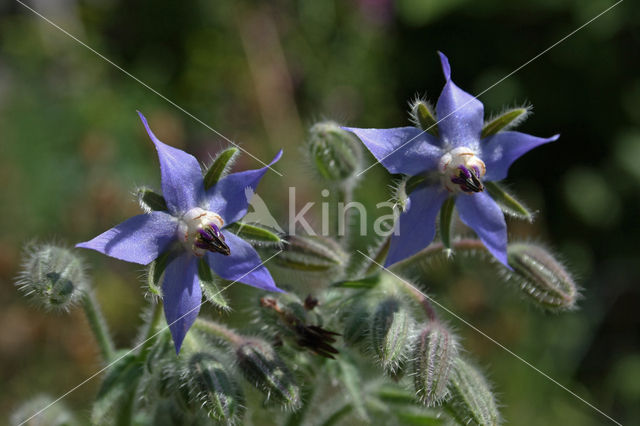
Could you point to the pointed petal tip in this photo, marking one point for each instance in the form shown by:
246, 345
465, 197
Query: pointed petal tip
277, 157
446, 68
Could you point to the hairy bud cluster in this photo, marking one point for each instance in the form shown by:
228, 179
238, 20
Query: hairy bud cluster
52, 277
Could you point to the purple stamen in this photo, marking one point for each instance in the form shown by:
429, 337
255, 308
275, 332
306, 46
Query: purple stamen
468, 179
210, 238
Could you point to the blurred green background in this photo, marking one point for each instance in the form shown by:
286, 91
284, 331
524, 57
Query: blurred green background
72, 149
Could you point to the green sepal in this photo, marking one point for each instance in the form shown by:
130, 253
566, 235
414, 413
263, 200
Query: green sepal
423, 116
210, 288
506, 120
254, 234
115, 397
306, 253
507, 203
446, 216
364, 283
219, 167
155, 271
150, 200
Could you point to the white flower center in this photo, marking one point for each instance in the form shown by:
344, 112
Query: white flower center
462, 170
199, 231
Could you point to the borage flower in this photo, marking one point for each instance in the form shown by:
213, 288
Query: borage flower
455, 161
194, 227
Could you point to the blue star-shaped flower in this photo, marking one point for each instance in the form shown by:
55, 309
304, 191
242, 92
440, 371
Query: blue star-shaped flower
195, 223
456, 162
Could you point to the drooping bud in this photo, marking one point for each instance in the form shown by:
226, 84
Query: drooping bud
263, 368
471, 401
541, 277
292, 321
52, 277
434, 353
335, 153
423, 116
307, 253
390, 331
211, 388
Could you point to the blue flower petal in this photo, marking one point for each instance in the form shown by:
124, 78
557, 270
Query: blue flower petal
501, 150
182, 182
406, 150
482, 214
460, 115
182, 296
230, 196
242, 265
139, 239
417, 224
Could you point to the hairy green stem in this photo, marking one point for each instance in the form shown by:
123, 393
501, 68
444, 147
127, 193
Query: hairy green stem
154, 320
218, 330
98, 325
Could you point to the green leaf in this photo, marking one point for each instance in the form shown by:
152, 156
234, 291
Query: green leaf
150, 200
422, 115
254, 234
504, 121
414, 417
219, 167
210, 287
507, 202
114, 403
446, 214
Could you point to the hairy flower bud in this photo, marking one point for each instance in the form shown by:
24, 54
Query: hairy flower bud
211, 388
335, 153
471, 401
435, 351
51, 276
262, 367
541, 277
390, 331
